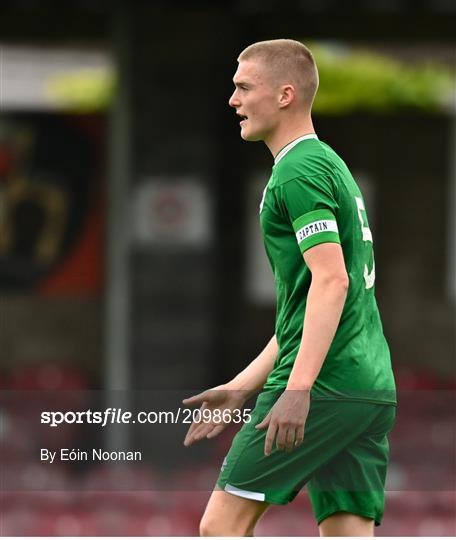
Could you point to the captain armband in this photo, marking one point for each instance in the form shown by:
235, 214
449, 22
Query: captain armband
316, 227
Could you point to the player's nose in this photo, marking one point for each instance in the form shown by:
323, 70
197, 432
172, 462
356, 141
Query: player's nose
234, 100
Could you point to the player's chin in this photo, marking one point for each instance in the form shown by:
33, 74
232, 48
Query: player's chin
249, 135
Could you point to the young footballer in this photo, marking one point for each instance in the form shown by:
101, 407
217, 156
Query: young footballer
327, 398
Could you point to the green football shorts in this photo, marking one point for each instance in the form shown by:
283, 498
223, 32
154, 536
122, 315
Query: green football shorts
343, 459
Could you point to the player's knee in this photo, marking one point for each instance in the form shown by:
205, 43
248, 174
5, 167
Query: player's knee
209, 526
213, 526
204, 528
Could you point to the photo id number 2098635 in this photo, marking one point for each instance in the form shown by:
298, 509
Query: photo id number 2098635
216, 415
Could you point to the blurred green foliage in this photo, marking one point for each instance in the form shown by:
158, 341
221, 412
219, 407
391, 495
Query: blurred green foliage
364, 81
349, 81
82, 91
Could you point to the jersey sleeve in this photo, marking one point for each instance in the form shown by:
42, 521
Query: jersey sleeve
311, 207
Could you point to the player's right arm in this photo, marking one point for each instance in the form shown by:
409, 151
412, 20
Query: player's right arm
252, 378
232, 395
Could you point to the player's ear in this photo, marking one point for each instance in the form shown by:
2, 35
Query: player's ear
287, 95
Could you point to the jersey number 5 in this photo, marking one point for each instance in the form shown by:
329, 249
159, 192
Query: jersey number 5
369, 277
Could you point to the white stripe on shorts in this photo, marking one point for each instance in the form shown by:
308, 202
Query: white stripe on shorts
255, 496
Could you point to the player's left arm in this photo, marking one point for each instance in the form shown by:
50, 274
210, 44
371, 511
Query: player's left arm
325, 302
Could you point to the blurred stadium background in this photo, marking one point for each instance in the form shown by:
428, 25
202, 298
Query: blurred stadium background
130, 256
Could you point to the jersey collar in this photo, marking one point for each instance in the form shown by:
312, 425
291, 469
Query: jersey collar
291, 145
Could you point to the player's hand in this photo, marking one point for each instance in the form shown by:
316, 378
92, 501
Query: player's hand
286, 420
220, 398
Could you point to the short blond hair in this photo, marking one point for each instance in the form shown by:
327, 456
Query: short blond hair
287, 61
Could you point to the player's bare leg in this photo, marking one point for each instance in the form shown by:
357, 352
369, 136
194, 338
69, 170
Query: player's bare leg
230, 515
345, 524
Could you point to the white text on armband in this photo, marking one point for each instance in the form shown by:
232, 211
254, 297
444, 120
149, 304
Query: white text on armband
323, 225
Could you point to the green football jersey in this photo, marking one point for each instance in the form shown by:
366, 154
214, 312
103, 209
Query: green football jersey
312, 198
